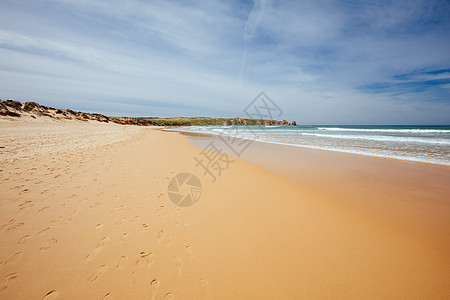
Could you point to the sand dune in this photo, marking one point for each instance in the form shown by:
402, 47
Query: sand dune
84, 214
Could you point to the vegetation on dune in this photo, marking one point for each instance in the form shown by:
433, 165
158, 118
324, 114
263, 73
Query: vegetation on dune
16, 109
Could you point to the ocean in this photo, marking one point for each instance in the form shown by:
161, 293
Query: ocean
426, 144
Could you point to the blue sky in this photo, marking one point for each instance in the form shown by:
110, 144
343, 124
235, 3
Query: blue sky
322, 62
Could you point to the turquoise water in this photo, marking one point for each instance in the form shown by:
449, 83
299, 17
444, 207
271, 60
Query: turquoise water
427, 144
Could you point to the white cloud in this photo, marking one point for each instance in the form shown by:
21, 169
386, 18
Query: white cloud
24, 43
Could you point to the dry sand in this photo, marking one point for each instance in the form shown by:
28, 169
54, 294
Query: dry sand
84, 214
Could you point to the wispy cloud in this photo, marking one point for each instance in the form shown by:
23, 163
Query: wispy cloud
18, 42
255, 18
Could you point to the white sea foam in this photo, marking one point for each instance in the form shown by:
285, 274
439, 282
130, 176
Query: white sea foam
361, 152
405, 144
386, 130
384, 138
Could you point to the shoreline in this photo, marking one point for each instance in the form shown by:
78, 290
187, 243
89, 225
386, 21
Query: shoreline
102, 218
389, 185
187, 133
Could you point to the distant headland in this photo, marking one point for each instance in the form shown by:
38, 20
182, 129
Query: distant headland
15, 108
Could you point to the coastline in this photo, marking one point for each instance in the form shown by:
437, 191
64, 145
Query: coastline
255, 233
305, 146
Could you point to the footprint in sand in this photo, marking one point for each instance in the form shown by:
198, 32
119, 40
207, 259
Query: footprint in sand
188, 250
124, 237
145, 259
83, 199
154, 286
204, 285
99, 227
161, 235
160, 212
119, 208
14, 258
23, 240
51, 295
11, 225
169, 296
9, 277
97, 249
49, 245
178, 265
67, 221
42, 232
43, 208
16, 226
145, 227
108, 296
5, 280
26, 205
17, 187
100, 271
95, 204
57, 220
24, 190
122, 262
123, 220
164, 237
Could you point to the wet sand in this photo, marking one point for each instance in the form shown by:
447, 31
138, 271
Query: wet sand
409, 194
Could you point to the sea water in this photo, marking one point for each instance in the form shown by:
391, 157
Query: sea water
427, 144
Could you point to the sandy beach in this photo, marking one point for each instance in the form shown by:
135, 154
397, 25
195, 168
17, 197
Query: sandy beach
85, 214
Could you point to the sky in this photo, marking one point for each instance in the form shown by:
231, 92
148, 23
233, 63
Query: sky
321, 61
